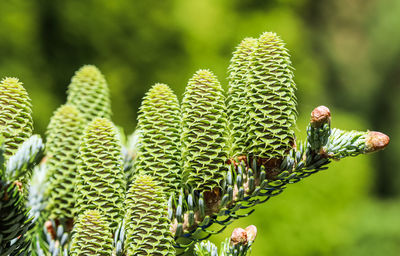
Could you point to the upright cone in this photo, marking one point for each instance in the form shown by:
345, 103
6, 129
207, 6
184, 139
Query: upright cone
16, 123
204, 132
270, 100
92, 235
159, 151
63, 140
100, 183
147, 224
236, 101
89, 93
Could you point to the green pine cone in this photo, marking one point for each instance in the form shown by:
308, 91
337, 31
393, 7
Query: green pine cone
147, 225
63, 139
91, 235
15, 115
100, 182
271, 102
159, 153
204, 132
236, 101
89, 93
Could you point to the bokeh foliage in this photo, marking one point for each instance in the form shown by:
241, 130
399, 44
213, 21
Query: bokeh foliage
346, 55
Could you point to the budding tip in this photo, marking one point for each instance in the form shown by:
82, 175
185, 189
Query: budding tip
320, 115
239, 236
376, 141
251, 233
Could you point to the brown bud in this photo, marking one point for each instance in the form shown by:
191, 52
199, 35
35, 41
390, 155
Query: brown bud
319, 116
375, 141
50, 229
239, 235
19, 185
251, 233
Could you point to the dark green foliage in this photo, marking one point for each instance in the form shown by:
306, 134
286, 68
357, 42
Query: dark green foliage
204, 132
147, 225
236, 101
159, 152
89, 93
100, 182
14, 221
270, 100
63, 139
15, 114
92, 235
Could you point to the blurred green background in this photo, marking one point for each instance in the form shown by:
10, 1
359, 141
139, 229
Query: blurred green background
346, 54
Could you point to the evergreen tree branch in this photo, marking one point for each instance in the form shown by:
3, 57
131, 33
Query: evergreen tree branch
249, 181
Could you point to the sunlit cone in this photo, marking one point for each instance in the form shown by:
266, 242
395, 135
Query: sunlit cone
159, 153
204, 132
100, 183
236, 101
15, 114
91, 235
147, 224
63, 139
89, 93
271, 100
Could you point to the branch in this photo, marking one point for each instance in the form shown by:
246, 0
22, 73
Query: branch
251, 181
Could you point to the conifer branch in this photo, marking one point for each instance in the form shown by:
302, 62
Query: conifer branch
249, 182
204, 163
